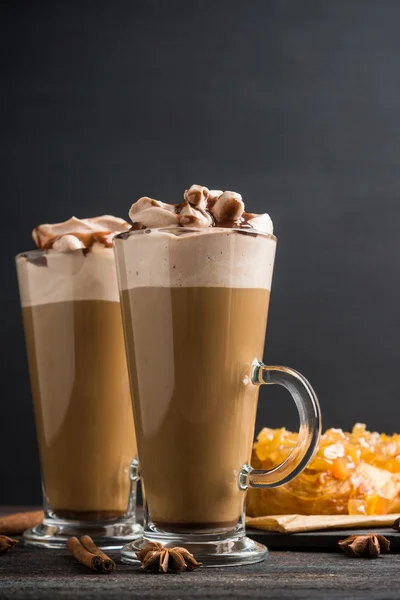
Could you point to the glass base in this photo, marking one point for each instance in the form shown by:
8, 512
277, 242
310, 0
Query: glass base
53, 533
219, 550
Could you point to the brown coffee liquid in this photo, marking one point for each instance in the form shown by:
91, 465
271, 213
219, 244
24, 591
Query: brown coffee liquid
82, 406
190, 354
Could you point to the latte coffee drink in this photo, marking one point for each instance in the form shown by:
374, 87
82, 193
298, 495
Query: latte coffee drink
77, 364
202, 419
195, 281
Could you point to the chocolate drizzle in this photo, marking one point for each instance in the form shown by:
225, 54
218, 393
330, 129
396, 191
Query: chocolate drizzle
79, 234
39, 260
135, 227
88, 239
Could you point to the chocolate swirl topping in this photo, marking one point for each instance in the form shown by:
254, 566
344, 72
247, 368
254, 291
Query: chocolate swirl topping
76, 234
200, 208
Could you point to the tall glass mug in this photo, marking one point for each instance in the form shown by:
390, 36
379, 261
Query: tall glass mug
195, 305
80, 389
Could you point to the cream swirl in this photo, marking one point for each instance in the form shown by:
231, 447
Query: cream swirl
76, 234
200, 208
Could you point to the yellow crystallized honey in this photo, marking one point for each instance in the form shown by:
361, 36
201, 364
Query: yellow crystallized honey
355, 473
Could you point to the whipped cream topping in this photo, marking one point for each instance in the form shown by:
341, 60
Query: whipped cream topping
201, 208
76, 234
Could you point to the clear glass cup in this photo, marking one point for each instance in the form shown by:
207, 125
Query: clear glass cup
195, 306
80, 389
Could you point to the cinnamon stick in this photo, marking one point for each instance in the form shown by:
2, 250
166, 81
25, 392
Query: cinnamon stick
84, 556
108, 564
17, 523
6, 544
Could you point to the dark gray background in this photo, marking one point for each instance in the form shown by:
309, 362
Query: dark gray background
295, 104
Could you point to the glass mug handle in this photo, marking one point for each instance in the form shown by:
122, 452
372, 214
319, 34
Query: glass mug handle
310, 427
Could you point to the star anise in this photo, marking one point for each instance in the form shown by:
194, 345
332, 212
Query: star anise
365, 546
154, 557
6, 544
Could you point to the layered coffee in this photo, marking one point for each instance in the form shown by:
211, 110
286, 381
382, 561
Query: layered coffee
78, 372
195, 285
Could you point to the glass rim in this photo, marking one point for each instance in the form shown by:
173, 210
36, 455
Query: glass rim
244, 231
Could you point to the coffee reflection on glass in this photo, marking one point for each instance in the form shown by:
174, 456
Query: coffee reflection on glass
195, 306
79, 381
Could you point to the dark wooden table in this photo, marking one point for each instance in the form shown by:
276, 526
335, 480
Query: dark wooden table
27, 573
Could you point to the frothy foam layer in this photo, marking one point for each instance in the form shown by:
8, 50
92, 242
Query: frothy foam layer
212, 257
47, 277
201, 208
76, 234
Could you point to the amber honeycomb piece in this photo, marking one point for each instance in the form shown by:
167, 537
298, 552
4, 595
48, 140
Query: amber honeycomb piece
355, 472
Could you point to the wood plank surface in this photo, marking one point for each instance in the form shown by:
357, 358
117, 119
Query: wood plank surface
27, 573
31, 574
